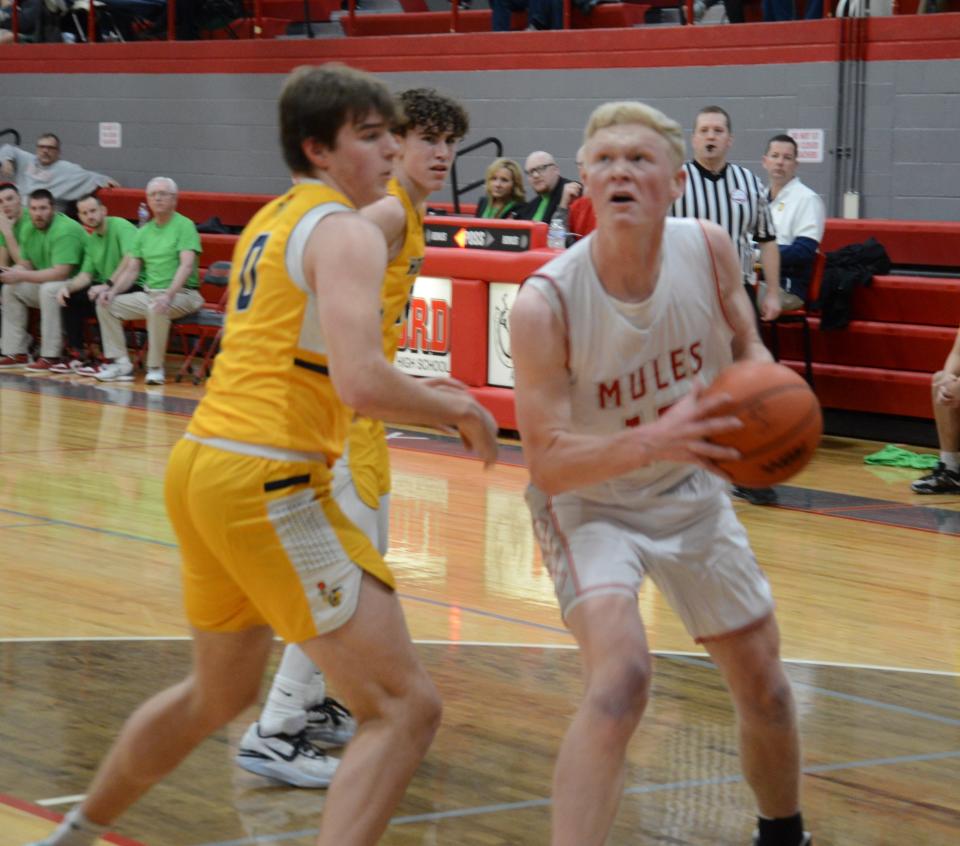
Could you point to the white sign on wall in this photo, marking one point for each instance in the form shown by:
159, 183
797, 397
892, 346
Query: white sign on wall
809, 144
499, 361
424, 348
111, 135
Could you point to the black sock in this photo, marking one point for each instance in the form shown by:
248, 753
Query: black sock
786, 831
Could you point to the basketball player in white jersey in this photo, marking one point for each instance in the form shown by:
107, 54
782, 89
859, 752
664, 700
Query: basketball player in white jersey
612, 343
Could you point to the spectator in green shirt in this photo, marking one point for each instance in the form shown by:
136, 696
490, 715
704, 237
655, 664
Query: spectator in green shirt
12, 223
109, 240
165, 252
51, 248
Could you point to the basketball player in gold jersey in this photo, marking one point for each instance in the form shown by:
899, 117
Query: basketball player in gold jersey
265, 547
298, 715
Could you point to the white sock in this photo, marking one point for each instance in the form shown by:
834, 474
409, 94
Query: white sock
290, 693
75, 830
316, 690
951, 460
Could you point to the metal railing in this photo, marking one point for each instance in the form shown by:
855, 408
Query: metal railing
454, 182
255, 9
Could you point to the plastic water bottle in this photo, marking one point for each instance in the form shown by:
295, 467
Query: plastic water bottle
557, 233
143, 214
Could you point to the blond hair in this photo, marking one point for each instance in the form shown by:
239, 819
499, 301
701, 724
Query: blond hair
509, 165
630, 111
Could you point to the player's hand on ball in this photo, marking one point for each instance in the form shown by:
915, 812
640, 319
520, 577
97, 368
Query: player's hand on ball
683, 433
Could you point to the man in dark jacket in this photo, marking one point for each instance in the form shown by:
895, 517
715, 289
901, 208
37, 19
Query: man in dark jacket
544, 177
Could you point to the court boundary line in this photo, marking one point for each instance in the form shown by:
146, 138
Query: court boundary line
635, 790
39, 811
567, 647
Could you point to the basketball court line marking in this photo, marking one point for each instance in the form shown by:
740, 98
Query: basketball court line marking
61, 800
636, 790
36, 810
847, 697
569, 647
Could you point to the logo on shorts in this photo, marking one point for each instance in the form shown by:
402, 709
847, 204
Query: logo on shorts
332, 596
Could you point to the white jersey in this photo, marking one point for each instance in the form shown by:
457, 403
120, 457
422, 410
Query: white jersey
629, 362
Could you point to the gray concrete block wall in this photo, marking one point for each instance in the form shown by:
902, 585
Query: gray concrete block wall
218, 132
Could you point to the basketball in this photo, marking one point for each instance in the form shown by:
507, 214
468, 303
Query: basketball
782, 423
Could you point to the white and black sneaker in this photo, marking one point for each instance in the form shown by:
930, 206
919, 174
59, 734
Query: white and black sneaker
940, 481
329, 724
290, 758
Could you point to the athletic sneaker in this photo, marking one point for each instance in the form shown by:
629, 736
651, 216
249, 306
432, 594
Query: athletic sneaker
90, 368
155, 376
14, 362
755, 496
807, 839
290, 758
329, 724
42, 365
67, 365
939, 481
119, 371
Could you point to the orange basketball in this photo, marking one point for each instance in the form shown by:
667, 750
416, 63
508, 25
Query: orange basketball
782, 423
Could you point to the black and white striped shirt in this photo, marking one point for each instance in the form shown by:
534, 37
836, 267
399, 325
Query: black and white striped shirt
736, 200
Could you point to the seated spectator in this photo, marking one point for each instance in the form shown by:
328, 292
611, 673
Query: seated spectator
548, 187
504, 190
581, 219
12, 223
798, 217
542, 14
67, 181
109, 241
165, 252
945, 478
51, 248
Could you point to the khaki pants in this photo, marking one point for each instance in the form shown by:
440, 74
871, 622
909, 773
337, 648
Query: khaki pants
19, 297
788, 301
136, 306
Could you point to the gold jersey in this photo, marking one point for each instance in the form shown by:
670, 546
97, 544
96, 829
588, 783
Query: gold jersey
369, 462
271, 385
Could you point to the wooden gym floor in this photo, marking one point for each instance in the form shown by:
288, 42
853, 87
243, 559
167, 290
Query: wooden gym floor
866, 574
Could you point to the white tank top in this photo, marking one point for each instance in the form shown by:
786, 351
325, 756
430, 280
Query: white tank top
629, 362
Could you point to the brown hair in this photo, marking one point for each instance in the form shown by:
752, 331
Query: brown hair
316, 102
430, 111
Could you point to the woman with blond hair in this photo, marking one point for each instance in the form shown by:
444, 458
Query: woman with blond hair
504, 190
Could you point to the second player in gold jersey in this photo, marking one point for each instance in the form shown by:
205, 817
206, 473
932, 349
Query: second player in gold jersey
427, 133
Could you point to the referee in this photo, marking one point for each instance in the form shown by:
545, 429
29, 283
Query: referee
734, 198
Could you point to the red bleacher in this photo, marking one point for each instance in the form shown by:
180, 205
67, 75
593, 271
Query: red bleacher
902, 325
901, 330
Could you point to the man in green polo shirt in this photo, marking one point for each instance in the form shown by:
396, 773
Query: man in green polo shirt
51, 248
12, 223
165, 253
110, 239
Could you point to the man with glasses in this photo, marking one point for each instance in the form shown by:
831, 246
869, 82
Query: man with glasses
544, 177
67, 181
165, 253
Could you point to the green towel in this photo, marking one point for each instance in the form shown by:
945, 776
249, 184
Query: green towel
894, 456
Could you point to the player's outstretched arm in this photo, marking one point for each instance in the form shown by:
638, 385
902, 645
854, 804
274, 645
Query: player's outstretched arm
390, 218
345, 260
560, 459
736, 303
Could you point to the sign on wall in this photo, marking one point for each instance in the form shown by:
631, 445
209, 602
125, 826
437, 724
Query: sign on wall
424, 348
499, 360
111, 135
809, 144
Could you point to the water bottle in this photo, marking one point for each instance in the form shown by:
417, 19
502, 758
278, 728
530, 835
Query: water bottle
143, 214
557, 233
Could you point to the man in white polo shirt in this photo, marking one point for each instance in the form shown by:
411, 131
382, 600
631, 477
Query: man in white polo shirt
798, 216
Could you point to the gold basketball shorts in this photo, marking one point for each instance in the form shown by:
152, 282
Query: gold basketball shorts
263, 542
